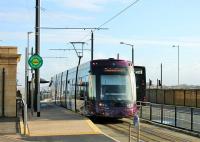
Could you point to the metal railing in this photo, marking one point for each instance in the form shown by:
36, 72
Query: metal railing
131, 125
182, 117
21, 112
20, 108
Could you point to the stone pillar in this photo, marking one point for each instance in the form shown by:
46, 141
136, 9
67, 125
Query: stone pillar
8, 60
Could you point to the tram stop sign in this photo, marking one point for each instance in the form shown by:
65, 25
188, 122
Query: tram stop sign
35, 61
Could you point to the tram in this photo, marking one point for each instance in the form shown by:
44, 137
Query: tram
104, 87
140, 75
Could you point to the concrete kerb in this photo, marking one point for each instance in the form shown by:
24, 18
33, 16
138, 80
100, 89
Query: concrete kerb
94, 127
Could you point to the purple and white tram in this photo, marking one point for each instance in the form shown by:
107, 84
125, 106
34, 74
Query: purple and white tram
104, 87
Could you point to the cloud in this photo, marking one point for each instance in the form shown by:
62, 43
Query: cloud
13, 36
150, 41
169, 41
65, 36
88, 5
64, 16
85, 5
49, 17
15, 16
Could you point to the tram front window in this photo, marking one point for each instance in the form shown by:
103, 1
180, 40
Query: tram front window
115, 87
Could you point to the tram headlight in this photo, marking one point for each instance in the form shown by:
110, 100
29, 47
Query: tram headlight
129, 105
101, 104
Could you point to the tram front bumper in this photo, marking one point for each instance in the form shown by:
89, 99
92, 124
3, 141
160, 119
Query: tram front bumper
116, 112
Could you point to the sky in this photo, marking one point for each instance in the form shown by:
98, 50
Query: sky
153, 27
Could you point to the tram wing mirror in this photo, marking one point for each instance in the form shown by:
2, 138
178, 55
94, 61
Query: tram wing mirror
150, 82
159, 83
83, 84
81, 95
51, 82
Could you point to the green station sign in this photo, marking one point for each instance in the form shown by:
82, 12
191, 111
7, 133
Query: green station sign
35, 61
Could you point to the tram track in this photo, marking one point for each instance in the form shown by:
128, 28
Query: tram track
164, 135
133, 136
147, 133
155, 131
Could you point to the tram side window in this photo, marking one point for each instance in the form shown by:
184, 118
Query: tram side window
68, 87
64, 88
80, 90
92, 87
83, 90
85, 85
72, 88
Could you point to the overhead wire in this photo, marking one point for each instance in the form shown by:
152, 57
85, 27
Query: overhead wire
113, 17
119, 13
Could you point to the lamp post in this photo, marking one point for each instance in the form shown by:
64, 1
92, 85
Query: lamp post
26, 82
26, 65
178, 60
132, 50
80, 55
27, 54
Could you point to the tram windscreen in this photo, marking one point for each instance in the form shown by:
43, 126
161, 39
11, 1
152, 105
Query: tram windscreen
115, 87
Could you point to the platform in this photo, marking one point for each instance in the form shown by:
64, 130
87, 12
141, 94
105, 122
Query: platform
9, 130
59, 124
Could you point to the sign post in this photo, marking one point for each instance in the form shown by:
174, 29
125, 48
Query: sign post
35, 62
136, 123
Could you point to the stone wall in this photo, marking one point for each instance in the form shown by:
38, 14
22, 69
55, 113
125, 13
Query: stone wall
1, 77
8, 60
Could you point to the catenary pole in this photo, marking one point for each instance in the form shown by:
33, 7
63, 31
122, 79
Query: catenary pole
92, 45
37, 51
161, 73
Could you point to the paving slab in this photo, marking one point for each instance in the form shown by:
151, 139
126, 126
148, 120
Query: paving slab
59, 124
